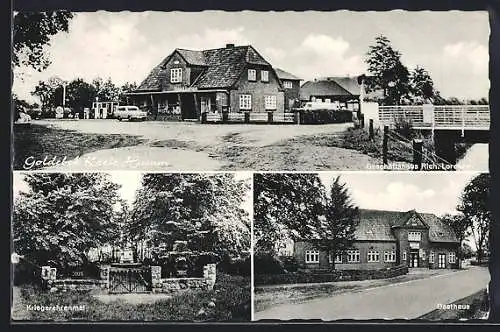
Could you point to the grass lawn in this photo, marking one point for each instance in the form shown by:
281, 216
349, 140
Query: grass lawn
231, 296
40, 142
478, 307
359, 140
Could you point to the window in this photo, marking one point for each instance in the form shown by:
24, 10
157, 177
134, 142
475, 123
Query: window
264, 76
287, 84
252, 75
312, 256
245, 102
338, 258
414, 236
175, 75
431, 257
270, 102
404, 255
353, 256
390, 256
373, 256
328, 100
451, 257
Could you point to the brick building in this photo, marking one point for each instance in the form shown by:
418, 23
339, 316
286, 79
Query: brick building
389, 238
188, 83
291, 84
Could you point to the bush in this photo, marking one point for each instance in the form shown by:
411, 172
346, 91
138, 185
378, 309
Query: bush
325, 116
268, 264
403, 127
290, 264
328, 276
237, 267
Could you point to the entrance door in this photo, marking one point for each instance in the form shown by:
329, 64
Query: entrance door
414, 259
442, 261
188, 106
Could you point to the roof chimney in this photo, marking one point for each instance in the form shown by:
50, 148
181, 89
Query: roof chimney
229, 45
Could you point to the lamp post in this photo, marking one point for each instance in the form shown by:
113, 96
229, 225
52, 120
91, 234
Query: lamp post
64, 95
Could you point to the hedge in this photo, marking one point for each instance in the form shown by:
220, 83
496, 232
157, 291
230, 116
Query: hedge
325, 116
330, 276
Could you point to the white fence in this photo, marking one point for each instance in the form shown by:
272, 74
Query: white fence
253, 117
462, 117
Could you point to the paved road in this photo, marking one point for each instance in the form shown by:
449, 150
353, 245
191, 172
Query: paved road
408, 300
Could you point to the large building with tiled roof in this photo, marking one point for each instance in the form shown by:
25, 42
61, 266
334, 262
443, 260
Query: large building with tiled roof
233, 79
389, 238
344, 90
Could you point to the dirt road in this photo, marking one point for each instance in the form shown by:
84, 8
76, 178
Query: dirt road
182, 146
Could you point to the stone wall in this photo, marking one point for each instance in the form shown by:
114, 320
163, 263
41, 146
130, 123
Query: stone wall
64, 285
169, 285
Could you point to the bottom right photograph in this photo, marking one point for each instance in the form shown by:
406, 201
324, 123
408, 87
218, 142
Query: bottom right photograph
371, 245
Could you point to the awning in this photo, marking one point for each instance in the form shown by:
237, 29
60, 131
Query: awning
174, 92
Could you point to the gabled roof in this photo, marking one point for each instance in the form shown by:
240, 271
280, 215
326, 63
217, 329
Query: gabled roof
223, 67
284, 75
153, 81
331, 86
195, 58
377, 225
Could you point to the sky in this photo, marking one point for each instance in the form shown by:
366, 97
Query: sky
129, 182
428, 192
125, 46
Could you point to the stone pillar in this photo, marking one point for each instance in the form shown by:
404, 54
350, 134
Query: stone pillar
53, 273
210, 275
156, 276
45, 273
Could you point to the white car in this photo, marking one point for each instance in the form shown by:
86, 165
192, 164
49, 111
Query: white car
313, 105
130, 113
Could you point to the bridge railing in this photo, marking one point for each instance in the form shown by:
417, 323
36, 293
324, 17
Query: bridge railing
391, 114
439, 116
464, 116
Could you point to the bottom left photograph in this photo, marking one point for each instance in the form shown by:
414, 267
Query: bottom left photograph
131, 246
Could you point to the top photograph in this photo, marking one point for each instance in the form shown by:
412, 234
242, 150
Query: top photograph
250, 91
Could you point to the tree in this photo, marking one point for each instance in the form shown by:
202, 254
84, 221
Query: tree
106, 90
461, 226
31, 34
126, 88
63, 216
80, 94
337, 229
421, 85
475, 206
286, 206
44, 92
203, 210
389, 74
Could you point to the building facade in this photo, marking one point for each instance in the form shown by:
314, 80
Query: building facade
343, 91
188, 83
389, 238
291, 85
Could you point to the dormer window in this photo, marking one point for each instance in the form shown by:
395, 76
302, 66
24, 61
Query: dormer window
175, 75
287, 84
414, 236
252, 75
264, 76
